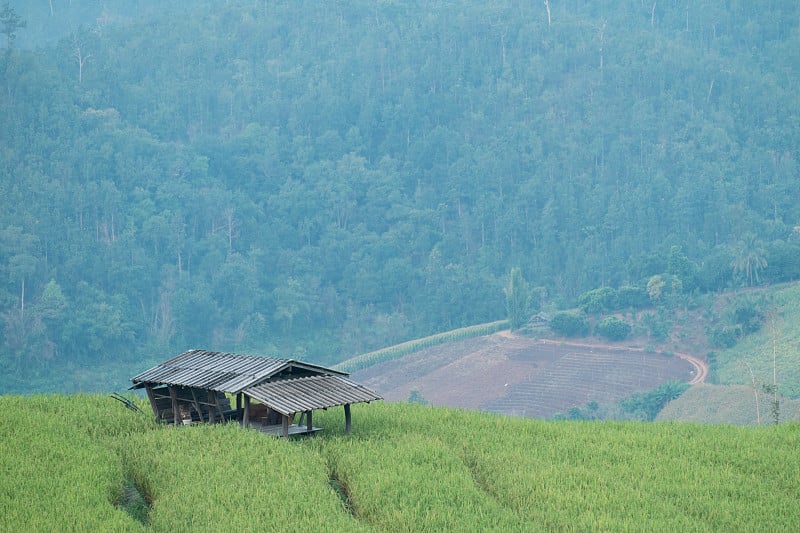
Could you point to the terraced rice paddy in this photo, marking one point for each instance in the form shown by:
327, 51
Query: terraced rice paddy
521, 376
77, 464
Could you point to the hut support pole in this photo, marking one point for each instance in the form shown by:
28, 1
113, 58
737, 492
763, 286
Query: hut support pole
174, 396
309, 425
285, 428
347, 419
219, 407
152, 398
197, 405
246, 414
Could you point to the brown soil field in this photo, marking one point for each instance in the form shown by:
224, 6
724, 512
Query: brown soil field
521, 376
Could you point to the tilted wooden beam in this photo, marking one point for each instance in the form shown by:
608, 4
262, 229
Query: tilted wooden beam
152, 398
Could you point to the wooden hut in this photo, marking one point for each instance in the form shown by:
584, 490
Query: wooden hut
273, 395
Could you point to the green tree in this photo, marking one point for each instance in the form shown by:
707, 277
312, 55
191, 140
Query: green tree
290, 301
10, 22
195, 312
784, 261
598, 300
647, 405
632, 297
613, 329
749, 258
715, 272
517, 299
570, 324
98, 327
19, 265
51, 310
655, 288
679, 265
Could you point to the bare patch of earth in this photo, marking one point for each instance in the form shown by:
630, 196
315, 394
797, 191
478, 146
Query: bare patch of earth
521, 376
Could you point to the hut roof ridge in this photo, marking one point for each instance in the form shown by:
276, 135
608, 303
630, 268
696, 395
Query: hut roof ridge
222, 371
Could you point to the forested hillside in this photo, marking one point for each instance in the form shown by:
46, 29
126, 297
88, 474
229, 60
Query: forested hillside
318, 179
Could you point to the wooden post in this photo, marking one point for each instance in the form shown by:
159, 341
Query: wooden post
152, 398
174, 396
211, 418
246, 414
239, 402
309, 425
219, 406
285, 429
197, 405
347, 421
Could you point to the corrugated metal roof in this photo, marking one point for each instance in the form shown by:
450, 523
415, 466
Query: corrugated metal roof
310, 393
220, 371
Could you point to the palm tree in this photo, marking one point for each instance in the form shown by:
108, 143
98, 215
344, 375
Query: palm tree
748, 258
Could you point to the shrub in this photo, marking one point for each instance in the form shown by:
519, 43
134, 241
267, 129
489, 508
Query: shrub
724, 336
570, 324
647, 405
416, 397
598, 300
748, 316
632, 297
657, 325
613, 329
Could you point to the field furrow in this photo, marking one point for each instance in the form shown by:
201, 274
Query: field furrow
520, 376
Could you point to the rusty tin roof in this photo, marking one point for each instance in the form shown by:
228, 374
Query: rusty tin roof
310, 393
223, 371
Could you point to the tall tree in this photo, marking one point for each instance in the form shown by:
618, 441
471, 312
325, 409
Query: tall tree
10, 22
749, 258
517, 298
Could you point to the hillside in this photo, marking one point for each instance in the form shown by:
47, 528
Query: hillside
516, 375
741, 375
541, 377
85, 463
728, 404
321, 179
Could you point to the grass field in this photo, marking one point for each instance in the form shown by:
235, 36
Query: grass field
72, 463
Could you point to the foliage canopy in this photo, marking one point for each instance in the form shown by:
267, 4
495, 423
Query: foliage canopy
324, 180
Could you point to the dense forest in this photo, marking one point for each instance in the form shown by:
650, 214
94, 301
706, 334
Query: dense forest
318, 179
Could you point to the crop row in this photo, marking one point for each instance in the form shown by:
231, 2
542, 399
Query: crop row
579, 378
399, 350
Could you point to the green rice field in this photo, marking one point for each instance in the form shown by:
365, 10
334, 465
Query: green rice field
84, 463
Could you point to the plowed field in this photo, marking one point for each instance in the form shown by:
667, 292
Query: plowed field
520, 376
